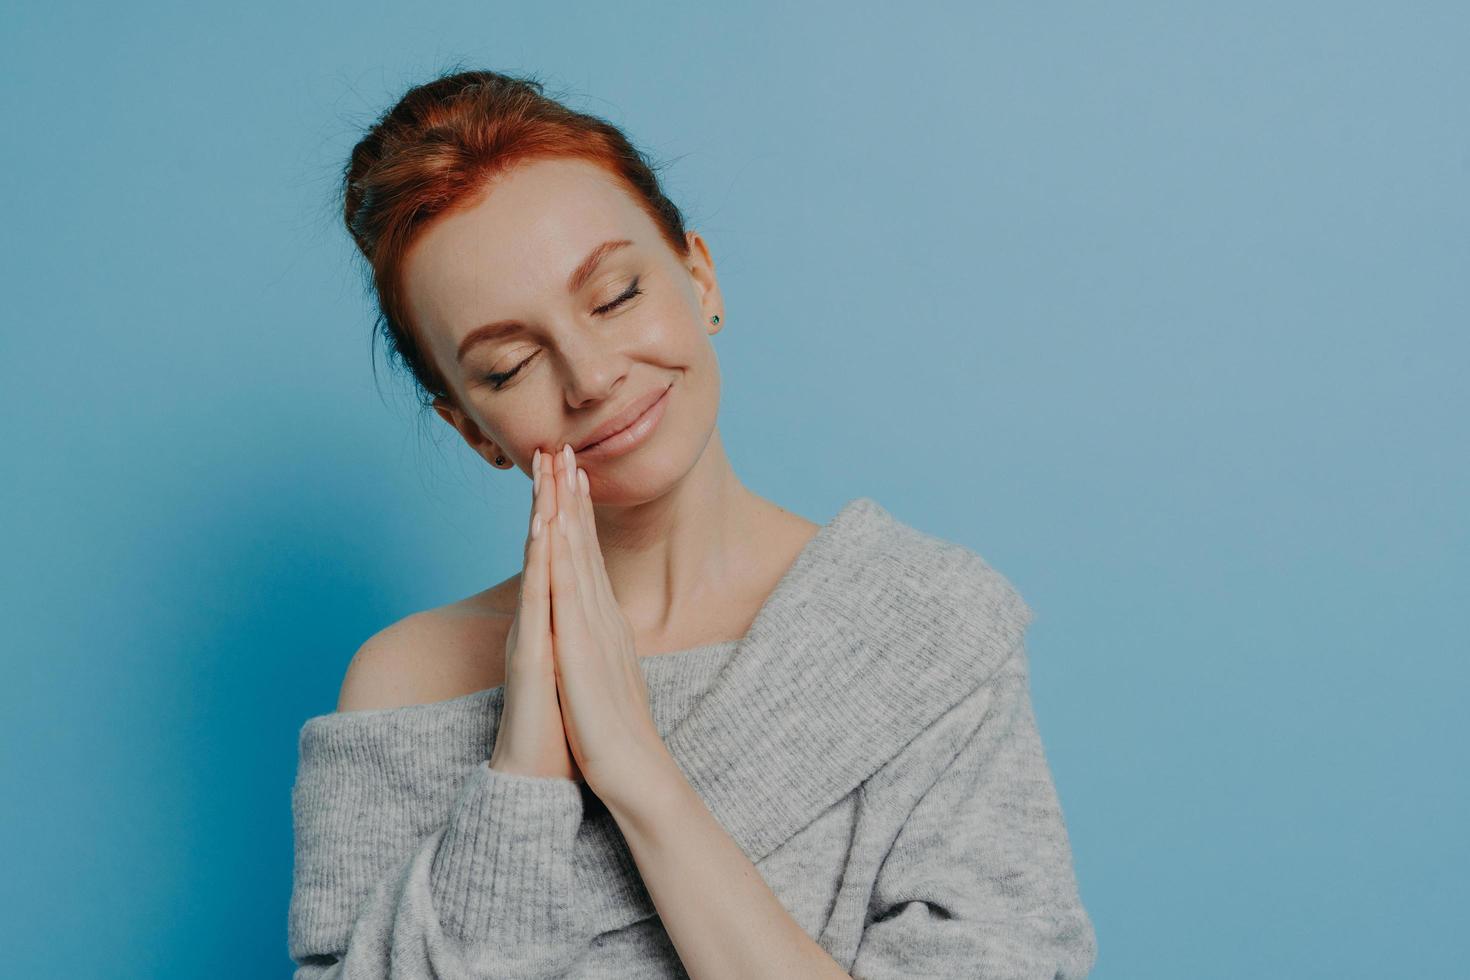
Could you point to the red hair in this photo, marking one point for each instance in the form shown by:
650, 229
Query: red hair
438, 148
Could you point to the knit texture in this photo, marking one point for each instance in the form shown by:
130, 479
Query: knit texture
869, 744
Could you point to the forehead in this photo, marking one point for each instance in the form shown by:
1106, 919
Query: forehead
512, 249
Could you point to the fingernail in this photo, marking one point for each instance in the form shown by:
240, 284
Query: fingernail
536, 527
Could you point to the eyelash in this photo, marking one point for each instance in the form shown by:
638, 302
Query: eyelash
497, 381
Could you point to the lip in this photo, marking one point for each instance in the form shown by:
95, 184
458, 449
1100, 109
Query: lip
632, 433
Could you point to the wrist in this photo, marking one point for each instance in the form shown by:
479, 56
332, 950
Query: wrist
658, 790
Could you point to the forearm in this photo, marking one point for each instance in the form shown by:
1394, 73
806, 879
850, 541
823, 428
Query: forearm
723, 918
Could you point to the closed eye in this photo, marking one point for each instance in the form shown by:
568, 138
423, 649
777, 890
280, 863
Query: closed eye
628, 294
498, 380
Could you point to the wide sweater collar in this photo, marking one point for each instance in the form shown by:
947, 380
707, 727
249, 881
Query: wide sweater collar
875, 631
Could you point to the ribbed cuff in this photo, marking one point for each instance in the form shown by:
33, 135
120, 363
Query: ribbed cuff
502, 874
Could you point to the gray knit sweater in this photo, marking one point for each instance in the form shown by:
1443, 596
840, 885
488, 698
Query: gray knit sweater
869, 744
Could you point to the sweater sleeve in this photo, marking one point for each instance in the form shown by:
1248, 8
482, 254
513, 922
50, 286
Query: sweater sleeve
979, 881
487, 893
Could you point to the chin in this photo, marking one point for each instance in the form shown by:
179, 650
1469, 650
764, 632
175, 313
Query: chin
654, 470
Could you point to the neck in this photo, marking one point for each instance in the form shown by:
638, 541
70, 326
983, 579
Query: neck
687, 550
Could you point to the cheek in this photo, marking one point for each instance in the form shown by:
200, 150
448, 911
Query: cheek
697, 390
522, 429
682, 339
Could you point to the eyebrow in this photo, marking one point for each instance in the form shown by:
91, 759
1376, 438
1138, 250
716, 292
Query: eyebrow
575, 282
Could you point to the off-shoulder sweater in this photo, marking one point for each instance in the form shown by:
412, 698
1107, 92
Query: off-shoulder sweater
869, 744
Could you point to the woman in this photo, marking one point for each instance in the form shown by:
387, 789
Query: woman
697, 734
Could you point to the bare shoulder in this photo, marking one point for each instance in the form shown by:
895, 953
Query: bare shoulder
433, 655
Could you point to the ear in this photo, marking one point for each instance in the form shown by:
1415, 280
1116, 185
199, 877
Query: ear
469, 431
702, 271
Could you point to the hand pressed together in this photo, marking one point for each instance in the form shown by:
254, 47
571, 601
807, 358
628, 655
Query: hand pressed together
531, 740
603, 698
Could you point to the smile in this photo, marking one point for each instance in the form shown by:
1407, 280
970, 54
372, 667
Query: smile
634, 435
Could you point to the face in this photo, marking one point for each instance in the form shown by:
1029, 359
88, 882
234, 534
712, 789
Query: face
570, 346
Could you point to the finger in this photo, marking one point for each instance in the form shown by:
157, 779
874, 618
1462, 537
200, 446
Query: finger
584, 506
576, 535
601, 587
560, 500
535, 603
568, 622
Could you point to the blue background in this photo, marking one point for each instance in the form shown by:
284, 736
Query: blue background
1159, 307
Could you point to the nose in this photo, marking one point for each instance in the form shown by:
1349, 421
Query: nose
591, 372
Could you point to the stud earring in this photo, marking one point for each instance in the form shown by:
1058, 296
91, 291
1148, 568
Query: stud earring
715, 319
